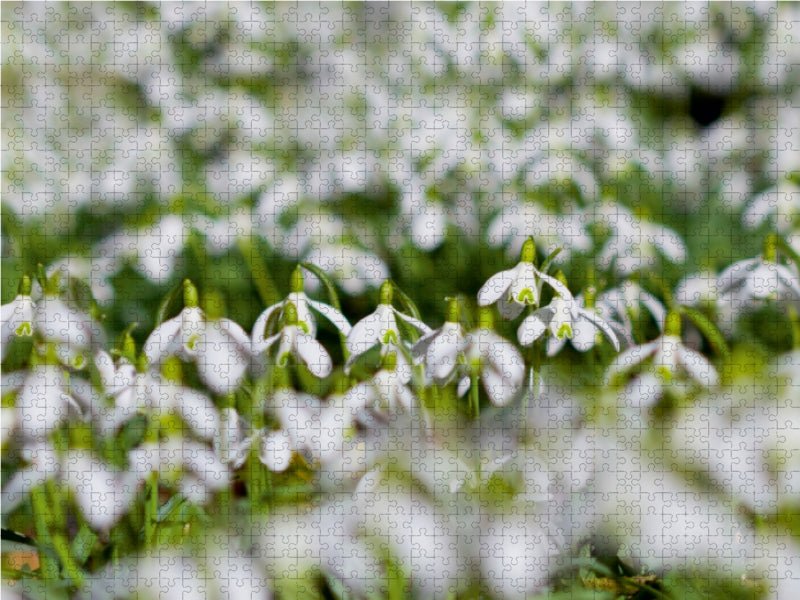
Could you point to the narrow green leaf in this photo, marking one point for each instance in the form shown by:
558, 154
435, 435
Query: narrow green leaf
163, 307
334, 299
711, 331
83, 543
409, 307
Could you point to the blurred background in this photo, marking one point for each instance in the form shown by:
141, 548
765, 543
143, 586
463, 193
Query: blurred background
148, 142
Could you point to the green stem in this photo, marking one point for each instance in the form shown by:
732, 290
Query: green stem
42, 516
150, 509
474, 394
794, 318
264, 284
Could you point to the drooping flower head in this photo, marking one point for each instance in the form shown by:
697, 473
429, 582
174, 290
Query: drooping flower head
218, 346
520, 286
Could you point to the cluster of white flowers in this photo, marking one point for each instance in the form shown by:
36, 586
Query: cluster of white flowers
384, 432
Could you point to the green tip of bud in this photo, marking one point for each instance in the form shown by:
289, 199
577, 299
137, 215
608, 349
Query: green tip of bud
673, 324
290, 314
485, 318
296, 283
386, 292
213, 305
561, 277
190, 296
25, 285
528, 253
452, 310
389, 362
49, 286
771, 248
127, 349
142, 364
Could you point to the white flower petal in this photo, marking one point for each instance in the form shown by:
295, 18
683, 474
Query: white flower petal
276, 450
497, 285
698, 367
368, 332
314, 355
333, 315
163, 341
532, 327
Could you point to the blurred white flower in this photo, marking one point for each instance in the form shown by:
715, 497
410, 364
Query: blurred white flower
670, 359
634, 242
16, 318
219, 347
43, 401
300, 430
619, 305
756, 279
499, 363
73, 333
520, 286
441, 349
195, 469
779, 204
387, 389
231, 443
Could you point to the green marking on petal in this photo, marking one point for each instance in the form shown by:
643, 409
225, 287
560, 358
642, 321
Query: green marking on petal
389, 362
564, 331
290, 314
672, 326
664, 374
25, 329
191, 343
390, 337
526, 296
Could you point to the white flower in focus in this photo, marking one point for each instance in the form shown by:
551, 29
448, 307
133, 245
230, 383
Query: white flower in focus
219, 347
670, 359
518, 287
565, 318
381, 327
293, 340
302, 304
586, 325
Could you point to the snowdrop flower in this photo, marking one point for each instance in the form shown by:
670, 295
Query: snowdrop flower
219, 347
381, 327
586, 327
496, 361
670, 357
103, 494
230, 442
618, 305
293, 340
299, 417
121, 383
442, 347
305, 318
518, 287
779, 204
70, 331
387, 390
44, 400
757, 279
634, 241
565, 318
16, 317
195, 469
